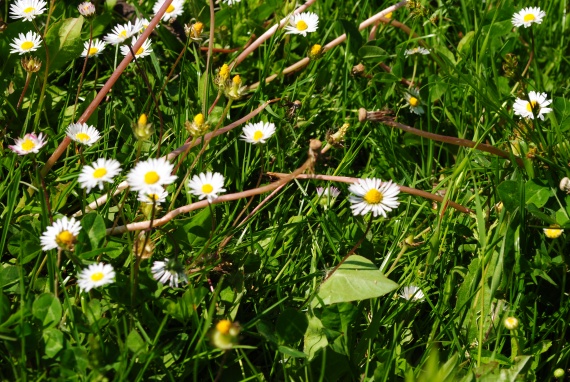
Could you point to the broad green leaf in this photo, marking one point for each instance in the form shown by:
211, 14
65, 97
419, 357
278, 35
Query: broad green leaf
464, 46
64, 42
536, 193
54, 341
93, 226
315, 337
135, 342
291, 326
198, 229
509, 194
372, 53
356, 279
47, 309
8, 275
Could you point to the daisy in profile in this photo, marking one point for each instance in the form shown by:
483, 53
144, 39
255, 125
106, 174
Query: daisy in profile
83, 133
412, 293
86, 9
144, 22
169, 271
122, 32
174, 10
29, 144
27, 9
553, 232
27, 43
149, 198
151, 175
303, 23
257, 132
143, 51
95, 275
61, 234
230, 2
414, 102
373, 195
100, 171
207, 185
536, 103
97, 46
528, 16
416, 50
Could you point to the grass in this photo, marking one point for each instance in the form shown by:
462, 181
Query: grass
260, 260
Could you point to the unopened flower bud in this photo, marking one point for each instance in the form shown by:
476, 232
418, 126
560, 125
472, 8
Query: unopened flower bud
31, 65
316, 52
142, 129
194, 31
565, 185
511, 323
198, 127
86, 9
559, 373
235, 90
225, 334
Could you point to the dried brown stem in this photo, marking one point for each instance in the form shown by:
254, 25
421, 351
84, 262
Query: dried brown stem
407, 190
106, 88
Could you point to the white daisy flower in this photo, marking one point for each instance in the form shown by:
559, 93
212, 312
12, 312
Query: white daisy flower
327, 195
144, 23
149, 176
122, 32
303, 23
86, 9
207, 185
170, 271
97, 46
412, 293
538, 103
528, 16
29, 144
230, 2
414, 101
29, 42
61, 234
27, 9
257, 132
83, 133
150, 198
143, 51
416, 50
102, 170
174, 10
372, 194
95, 275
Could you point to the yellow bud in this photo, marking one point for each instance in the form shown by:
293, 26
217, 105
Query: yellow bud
388, 15
199, 119
198, 28
142, 120
236, 80
224, 72
316, 52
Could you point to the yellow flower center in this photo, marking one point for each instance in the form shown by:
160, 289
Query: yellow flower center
388, 15
207, 188
198, 27
532, 105
92, 51
257, 135
29, 10
27, 45
97, 276
373, 196
123, 34
65, 239
553, 233
224, 326
82, 137
151, 177
414, 101
199, 119
528, 17
140, 51
153, 197
301, 25
170, 9
28, 145
99, 173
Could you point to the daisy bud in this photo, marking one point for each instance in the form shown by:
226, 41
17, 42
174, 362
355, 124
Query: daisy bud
194, 32
235, 90
31, 65
316, 52
225, 334
565, 185
86, 9
142, 129
327, 196
198, 127
511, 323
559, 373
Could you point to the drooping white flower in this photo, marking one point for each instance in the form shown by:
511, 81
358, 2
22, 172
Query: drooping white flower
29, 144
412, 293
258, 132
157, 198
29, 42
303, 23
151, 175
27, 9
100, 171
527, 16
416, 50
169, 271
95, 275
230, 2
83, 133
175, 9
97, 46
61, 234
141, 52
373, 195
207, 185
538, 103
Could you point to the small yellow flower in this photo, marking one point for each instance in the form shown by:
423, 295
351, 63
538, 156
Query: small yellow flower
316, 52
388, 15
